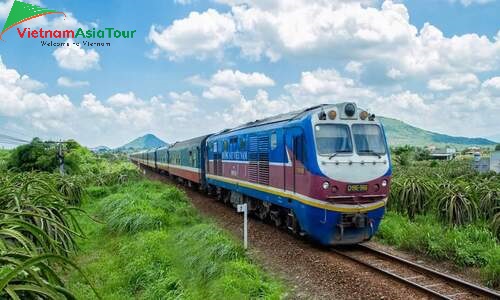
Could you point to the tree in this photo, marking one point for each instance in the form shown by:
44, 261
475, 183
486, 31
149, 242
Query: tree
42, 156
497, 148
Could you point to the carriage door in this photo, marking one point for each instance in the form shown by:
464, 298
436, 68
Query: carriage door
218, 158
295, 171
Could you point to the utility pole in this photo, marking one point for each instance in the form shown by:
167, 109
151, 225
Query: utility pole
60, 156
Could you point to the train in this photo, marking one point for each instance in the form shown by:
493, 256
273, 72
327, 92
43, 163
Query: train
323, 172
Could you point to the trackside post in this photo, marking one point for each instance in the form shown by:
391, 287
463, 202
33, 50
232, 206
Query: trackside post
243, 208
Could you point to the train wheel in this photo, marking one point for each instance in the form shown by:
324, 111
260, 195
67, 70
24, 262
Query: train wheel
277, 216
262, 211
226, 197
219, 192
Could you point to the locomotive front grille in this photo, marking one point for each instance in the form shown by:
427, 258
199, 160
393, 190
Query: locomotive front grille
355, 199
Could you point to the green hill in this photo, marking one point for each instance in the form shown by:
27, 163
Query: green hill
400, 133
147, 141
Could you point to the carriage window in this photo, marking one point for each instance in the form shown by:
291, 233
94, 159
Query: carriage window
243, 144
368, 139
225, 146
332, 139
274, 141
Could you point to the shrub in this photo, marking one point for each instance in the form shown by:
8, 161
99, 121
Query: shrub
146, 206
456, 204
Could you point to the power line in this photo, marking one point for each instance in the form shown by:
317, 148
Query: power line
16, 132
11, 138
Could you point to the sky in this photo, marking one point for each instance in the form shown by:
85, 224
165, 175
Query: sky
196, 67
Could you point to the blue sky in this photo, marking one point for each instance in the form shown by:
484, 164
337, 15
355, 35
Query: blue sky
201, 66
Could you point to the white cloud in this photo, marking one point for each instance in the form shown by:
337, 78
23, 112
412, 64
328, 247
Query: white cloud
74, 57
70, 83
200, 35
239, 79
492, 86
454, 81
354, 67
125, 99
226, 84
365, 32
471, 2
222, 93
394, 74
183, 2
19, 101
327, 86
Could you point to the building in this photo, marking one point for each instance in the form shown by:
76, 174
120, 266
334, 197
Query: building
472, 150
495, 161
486, 164
443, 154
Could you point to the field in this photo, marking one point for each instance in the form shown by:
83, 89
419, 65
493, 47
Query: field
101, 231
445, 210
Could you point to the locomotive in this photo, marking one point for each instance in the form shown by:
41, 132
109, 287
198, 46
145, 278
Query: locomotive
323, 172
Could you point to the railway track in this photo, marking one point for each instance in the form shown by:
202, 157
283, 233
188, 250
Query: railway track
434, 283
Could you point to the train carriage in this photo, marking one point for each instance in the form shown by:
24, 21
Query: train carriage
162, 159
186, 160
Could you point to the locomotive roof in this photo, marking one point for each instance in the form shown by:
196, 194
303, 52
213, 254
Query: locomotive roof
196, 140
275, 119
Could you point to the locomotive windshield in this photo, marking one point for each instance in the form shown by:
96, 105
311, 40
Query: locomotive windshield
333, 138
368, 139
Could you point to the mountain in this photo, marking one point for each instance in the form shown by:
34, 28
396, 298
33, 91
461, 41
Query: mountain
495, 138
100, 149
147, 141
400, 133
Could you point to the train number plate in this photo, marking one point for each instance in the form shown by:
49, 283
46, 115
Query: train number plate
353, 188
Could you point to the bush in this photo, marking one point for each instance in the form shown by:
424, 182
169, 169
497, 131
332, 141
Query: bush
471, 245
146, 206
38, 231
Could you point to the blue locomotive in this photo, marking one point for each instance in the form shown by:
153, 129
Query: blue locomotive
323, 172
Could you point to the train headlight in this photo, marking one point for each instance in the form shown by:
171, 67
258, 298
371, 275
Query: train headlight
384, 183
363, 115
349, 109
326, 185
332, 114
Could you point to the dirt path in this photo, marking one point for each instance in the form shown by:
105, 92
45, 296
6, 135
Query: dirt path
312, 271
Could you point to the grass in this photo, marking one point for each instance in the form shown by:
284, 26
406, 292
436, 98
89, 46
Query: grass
471, 245
153, 245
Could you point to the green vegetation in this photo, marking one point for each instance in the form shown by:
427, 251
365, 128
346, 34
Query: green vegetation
445, 210
37, 235
42, 156
103, 232
153, 245
470, 245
